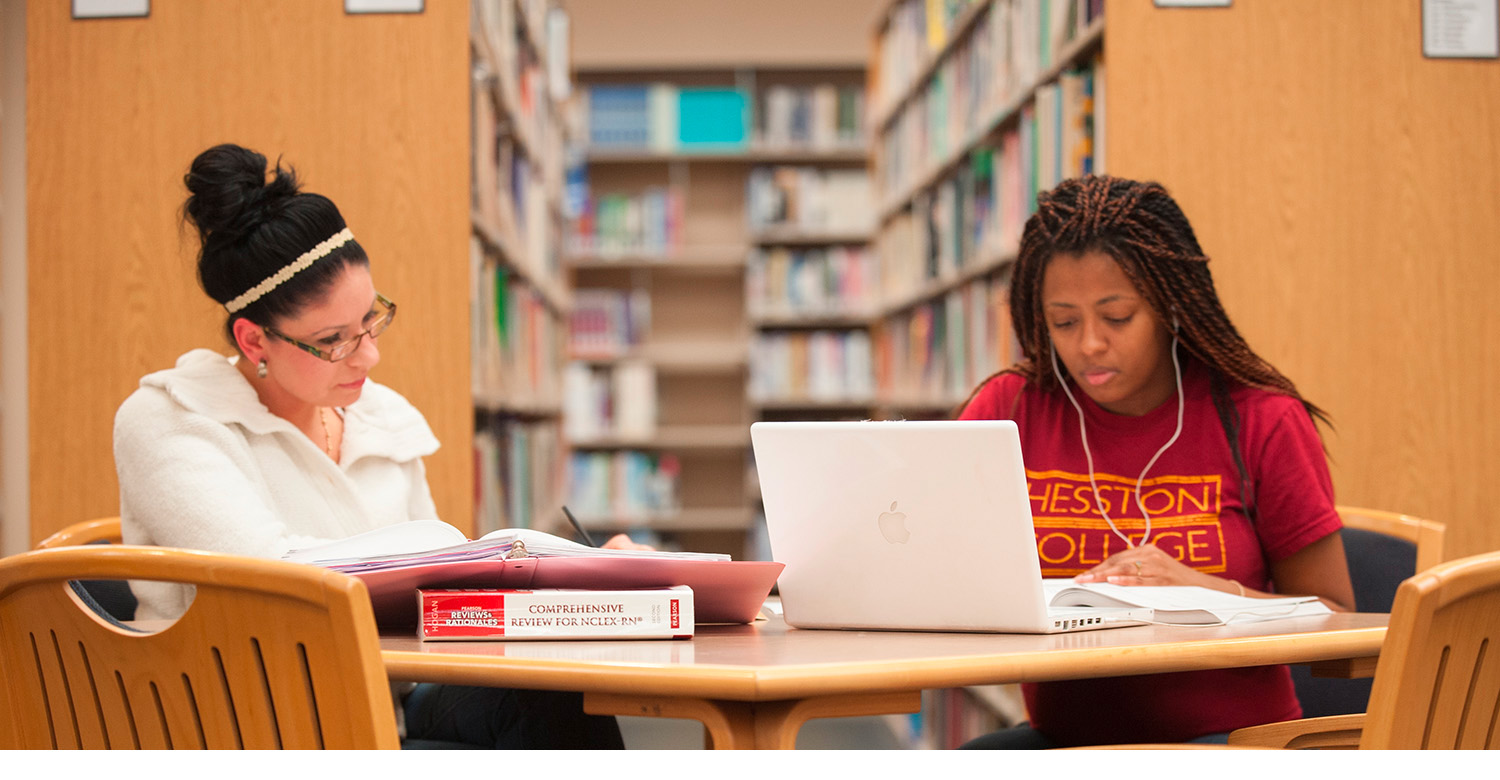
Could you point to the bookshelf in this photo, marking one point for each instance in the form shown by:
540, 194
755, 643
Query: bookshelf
519, 301
977, 106
668, 250
753, 154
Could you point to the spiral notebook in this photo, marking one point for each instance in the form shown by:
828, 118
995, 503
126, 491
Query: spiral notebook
909, 526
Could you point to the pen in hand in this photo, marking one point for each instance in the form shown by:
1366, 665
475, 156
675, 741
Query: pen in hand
577, 526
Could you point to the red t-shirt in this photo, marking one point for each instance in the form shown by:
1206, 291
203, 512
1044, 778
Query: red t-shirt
1193, 495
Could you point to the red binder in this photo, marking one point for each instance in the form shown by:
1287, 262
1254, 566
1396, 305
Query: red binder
723, 591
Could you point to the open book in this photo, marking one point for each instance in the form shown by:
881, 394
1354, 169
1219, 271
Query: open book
1179, 604
428, 540
396, 560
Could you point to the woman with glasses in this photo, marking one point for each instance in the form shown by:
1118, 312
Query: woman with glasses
288, 443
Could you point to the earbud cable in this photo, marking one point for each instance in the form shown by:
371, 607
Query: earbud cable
1089, 456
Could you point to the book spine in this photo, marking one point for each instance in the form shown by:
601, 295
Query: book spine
460, 615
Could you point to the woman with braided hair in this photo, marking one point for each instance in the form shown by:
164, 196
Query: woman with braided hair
1160, 450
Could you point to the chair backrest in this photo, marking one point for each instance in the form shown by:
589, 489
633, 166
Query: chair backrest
1427, 535
268, 655
1437, 684
112, 597
101, 529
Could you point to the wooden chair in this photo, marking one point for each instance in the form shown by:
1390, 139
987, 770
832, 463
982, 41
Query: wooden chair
101, 529
1433, 688
1383, 549
269, 655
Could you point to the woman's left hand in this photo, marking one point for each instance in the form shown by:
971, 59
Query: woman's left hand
1150, 565
622, 542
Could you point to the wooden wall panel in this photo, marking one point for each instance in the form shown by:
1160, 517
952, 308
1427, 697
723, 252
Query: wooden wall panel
372, 110
1347, 190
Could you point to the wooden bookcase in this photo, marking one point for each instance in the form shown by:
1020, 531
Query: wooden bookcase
690, 271
976, 108
519, 299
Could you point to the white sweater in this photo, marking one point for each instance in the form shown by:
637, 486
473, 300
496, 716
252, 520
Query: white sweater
204, 465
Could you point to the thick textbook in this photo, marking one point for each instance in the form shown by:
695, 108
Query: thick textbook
560, 613
396, 560
1179, 604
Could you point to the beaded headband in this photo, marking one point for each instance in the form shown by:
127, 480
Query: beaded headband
277, 279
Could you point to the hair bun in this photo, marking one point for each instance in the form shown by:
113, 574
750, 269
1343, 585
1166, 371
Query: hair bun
230, 195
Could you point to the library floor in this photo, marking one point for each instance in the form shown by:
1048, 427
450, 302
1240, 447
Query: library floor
868, 733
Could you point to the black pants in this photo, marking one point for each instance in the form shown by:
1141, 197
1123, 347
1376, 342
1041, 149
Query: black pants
1024, 737
506, 718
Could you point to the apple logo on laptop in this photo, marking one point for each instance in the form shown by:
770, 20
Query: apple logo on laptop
893, 526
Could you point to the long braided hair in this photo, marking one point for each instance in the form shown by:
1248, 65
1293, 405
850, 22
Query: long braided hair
1144, 230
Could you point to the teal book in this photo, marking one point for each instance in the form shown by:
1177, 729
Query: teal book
712, 117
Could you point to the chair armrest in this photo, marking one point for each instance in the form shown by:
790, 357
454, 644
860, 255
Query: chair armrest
1335, 732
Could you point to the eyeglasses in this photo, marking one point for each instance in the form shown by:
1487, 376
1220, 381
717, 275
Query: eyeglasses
384, 312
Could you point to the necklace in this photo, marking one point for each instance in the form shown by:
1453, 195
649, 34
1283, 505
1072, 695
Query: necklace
327, 437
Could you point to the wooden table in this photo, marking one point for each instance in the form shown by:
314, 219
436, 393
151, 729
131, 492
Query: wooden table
753, 686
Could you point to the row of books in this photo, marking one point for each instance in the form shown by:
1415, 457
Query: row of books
1068, 127
666, 117
510, 195
622, 484
607, 322
518, 474
943, 348
551, 29
818, 365
526, 48
947, 229
915, 31
648, 222
808, 199
972, 82
516, 342
962, 100
609, 401
979, 210
1009, 43
836, 280
823, 116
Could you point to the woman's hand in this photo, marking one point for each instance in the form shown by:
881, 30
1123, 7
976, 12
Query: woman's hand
622, 542
1150, 565
1316, 570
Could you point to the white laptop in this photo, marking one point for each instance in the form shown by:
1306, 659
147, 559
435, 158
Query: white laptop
910, 526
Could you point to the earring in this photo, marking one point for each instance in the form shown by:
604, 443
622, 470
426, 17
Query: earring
260, 368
